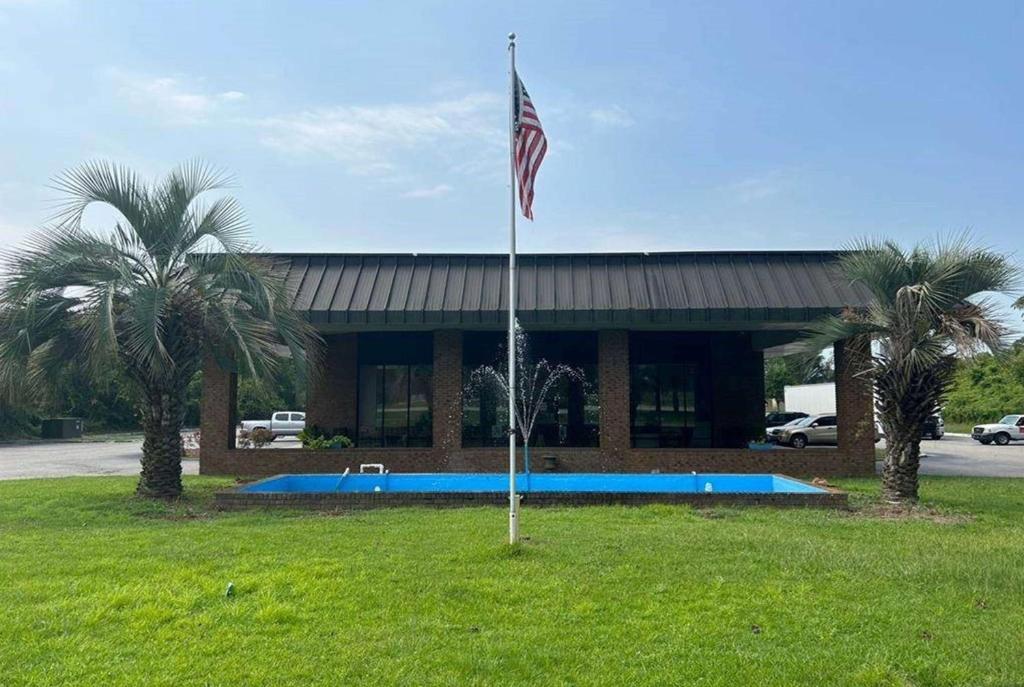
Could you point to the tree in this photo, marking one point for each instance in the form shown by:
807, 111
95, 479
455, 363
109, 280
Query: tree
987, 387
787, 370
151, 297
924, 310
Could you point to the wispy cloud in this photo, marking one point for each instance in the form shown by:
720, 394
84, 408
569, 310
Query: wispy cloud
368, 138
431, 192
172, 98
611, 117
758, 187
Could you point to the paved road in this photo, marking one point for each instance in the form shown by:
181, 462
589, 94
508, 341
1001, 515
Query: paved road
961, 455
66, 459
950, 456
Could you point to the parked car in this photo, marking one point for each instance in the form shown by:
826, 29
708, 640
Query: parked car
934, 428
813, 429
283, 423
773, 433
1010, 428
777, 419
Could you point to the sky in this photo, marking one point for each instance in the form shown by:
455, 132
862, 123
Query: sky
382, 126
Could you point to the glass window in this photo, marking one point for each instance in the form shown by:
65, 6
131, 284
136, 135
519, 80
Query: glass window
827, 421
569, 413
280, 417
669, 393
395, 390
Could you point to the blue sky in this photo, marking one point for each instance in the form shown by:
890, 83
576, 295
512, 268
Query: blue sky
381, 126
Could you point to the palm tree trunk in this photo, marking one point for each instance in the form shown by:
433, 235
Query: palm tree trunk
161, 445
899, 472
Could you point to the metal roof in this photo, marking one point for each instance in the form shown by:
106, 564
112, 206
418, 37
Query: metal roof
616, 289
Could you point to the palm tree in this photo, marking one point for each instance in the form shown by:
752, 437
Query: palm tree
173, 281
925, 310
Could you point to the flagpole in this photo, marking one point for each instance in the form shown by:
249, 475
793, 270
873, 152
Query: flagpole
513, 499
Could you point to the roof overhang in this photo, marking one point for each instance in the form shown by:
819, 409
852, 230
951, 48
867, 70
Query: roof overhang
723, 291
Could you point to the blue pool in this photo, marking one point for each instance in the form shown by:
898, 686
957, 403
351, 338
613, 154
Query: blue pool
534, 483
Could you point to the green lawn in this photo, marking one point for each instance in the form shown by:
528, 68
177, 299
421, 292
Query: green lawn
100, 588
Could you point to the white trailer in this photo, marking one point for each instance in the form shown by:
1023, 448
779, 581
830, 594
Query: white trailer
813, 399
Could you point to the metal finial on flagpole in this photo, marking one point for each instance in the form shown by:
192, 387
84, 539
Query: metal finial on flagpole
512, 37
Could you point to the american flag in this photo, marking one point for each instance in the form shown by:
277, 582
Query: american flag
530, 145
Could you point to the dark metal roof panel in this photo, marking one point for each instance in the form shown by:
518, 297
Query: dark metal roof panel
612, 289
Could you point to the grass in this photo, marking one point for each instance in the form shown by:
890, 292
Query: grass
99, 587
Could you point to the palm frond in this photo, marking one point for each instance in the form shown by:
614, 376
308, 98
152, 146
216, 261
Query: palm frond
144, 331
102, 182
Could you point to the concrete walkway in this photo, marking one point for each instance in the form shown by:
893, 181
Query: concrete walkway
67, 459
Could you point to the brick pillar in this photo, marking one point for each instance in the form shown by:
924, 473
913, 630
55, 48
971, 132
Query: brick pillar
613, 389
855, 414
447, 401
331, 399
218, 414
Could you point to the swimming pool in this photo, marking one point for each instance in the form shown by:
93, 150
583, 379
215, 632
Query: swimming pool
453, 489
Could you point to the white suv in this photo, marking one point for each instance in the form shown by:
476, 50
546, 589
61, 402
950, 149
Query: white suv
1010, 428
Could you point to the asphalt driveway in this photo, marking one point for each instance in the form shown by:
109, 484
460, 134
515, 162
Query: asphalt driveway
961, 455
68, 459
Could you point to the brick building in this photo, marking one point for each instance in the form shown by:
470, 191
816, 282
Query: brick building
671, 346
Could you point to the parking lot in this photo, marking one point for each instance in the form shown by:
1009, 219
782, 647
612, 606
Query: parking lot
24, 460
961, 455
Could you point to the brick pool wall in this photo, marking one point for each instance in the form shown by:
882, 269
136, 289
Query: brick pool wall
237, 500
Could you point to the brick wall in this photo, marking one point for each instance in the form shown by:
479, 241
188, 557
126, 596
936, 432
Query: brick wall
217, 410
855, 415
810, 462
613, 392
447, 401
854, 456
331, 401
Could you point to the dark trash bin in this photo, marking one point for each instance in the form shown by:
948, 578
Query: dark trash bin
61, 428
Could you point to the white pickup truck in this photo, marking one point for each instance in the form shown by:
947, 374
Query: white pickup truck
1010, 428
283, 423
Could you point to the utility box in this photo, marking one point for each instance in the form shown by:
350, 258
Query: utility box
61, 428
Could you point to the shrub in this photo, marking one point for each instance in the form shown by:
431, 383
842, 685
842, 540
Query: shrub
314, 438
256, 438
261, 437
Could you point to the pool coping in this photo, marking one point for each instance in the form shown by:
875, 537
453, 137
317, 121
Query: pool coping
236, 499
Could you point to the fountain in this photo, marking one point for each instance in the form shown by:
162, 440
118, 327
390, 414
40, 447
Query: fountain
535, 380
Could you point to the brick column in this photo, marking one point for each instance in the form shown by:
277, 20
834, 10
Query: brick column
613, 389
855, 414
218, 414
331, 400
447, 401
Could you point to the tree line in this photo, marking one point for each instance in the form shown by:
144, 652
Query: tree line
108, 402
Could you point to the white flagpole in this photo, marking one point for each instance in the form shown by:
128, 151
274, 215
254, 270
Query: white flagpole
513, 499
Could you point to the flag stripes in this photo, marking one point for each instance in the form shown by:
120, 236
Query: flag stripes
530, 146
